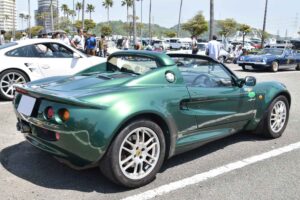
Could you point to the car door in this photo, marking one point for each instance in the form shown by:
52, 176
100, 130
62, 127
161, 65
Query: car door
25, 57
219, 105
57, 59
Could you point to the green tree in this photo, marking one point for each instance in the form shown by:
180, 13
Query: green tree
227, 26
65, 9
106, 30
107, 4
88, 24
197, 25
170, 34
78, 8
35, 30
244, 29
89, 9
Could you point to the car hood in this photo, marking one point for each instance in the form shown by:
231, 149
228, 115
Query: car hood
258, 57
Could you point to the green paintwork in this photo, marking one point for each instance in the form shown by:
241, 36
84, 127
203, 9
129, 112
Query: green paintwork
99, 108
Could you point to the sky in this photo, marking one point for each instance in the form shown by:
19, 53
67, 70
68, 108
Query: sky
283, 16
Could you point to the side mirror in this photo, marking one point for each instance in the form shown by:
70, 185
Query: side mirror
76, 55
250, 81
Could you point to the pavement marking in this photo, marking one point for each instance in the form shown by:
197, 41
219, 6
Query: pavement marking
164, 189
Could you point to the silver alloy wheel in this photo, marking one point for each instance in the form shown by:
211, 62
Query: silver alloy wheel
139, 153
275, 66
7, 83
278, 116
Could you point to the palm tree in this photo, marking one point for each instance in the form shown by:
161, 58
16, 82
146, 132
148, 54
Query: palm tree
89, 9
78, 8
179, 19
65, 9
264, 24
141, 25
41, 17
107, 4
128, 4
27, 18
134, 22
22, 16
51, 13
211, 23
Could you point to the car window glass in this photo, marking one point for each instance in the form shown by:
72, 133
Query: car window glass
131, 64
203, 73
26, 51
44, 50
60, 51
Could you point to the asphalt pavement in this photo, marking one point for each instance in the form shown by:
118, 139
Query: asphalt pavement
28, 173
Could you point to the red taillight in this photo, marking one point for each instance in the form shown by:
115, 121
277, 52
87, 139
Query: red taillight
57, 136
49, 113
21, 91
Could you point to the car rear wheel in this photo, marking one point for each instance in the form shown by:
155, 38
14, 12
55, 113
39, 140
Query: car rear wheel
7, 79
243, 67
136, 154
277, 117
274, 66
298, 67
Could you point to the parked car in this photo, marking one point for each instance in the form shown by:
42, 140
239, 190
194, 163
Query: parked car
160, 44
140, 108
271, 58
33, 59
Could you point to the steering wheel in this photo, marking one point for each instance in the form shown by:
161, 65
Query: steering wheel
207, 81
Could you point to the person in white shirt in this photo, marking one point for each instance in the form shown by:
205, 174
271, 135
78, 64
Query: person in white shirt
65, 39
78, 41
125, 44
213, 48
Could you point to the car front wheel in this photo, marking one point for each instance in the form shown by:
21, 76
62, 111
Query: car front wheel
7, 80
274, 66
136, 154
298, 67
277, 117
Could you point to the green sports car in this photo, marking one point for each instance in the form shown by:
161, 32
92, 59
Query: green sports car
129, 114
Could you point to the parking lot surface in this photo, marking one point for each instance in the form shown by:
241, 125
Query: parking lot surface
28, 173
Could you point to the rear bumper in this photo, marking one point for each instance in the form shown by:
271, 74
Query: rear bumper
73, 148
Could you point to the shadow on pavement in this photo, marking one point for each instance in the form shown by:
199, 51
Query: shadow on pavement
40, 168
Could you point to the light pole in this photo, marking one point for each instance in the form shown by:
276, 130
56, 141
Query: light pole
264, 25
211, 23
29, 20
134, 22
83, 2
150, 35
179, 19
141, 19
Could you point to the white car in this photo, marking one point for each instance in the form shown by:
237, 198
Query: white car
160, 44
33, 59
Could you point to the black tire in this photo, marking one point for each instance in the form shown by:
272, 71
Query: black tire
298, 67
110, 164
265, 127
3, 76
274, 66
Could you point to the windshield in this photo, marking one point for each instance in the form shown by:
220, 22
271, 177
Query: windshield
201, 47
271, 51
8, 45
131, 64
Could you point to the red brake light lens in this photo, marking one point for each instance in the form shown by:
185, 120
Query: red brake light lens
49, 113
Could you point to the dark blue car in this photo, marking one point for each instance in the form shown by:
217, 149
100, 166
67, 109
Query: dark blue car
271, 58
